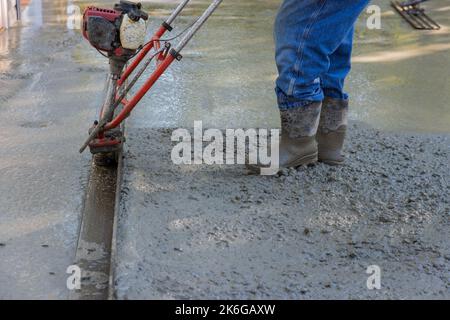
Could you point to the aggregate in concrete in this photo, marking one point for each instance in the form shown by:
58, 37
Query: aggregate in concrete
202, 232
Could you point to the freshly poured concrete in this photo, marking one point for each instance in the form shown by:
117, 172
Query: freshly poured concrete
187, 232
47, 101
207, 232
399, 79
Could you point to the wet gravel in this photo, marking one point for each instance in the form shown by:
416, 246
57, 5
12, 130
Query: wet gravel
188, 232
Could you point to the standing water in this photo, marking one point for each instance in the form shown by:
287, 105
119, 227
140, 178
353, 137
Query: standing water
399, 79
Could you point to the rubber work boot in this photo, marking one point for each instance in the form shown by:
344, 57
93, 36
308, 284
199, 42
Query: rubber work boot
332, 130
298, 145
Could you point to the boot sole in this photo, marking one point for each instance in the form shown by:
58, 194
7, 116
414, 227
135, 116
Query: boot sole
331, 162
303, 161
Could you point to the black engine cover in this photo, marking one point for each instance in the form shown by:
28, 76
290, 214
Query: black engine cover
102, 33
132, 9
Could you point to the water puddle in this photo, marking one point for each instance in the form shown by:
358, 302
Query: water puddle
399, 79
226, 78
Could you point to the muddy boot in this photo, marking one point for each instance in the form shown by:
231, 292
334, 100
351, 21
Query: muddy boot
298, 144
332, 130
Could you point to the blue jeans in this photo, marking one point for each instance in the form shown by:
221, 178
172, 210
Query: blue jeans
314, 40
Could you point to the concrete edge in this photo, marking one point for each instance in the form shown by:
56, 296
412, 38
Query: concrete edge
120, 166
72, 295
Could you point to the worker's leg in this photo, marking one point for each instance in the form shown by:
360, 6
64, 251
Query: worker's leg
333, 119
307, 32
332, 81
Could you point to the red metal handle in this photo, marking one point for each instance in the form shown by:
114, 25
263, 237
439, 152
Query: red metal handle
141, 55
142, 91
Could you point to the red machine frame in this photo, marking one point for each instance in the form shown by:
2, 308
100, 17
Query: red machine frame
97, 138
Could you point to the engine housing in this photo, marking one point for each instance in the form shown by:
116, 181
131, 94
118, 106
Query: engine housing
104, 30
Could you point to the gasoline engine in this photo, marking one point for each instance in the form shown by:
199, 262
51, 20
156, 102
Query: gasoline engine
117, 32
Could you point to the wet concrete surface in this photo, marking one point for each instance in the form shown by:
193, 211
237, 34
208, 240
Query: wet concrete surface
189, 232
398, 81
207, 232
227, 75
47, 101
93, 254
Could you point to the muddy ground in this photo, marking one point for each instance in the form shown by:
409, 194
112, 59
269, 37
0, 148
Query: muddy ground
198, 232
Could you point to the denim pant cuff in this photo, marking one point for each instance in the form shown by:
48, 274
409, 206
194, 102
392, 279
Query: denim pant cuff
335, 94
291, 102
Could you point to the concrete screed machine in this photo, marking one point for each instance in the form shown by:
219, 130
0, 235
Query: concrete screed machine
119, 34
